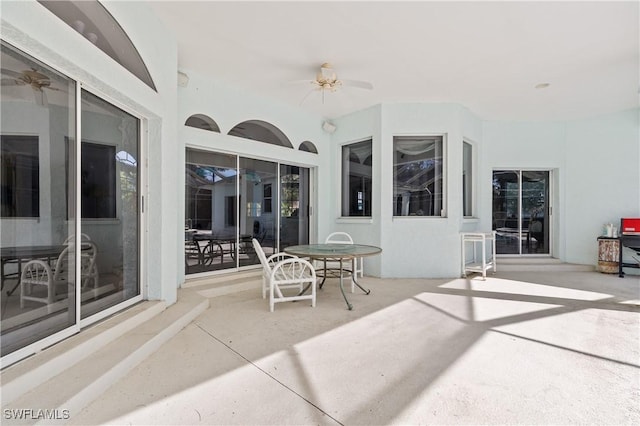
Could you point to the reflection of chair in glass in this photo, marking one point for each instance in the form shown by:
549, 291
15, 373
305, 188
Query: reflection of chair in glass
536, 233
71, 239
282, 271
191, 253
499, 219
344, 238
37, 274
40, 283
245, 247
88, 265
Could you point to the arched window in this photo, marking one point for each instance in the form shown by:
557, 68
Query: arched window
91, 20
204, 122
308, 146
261, 131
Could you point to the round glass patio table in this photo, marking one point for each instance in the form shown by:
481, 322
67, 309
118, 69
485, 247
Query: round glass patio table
342, 253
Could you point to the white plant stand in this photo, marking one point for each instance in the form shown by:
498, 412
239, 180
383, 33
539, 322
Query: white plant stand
487, 259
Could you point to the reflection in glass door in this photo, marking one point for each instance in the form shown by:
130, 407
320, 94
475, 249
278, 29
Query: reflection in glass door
521, 209
51, 266
210, 211
37, 273
258, 191
294, 205
109, 205
229, 200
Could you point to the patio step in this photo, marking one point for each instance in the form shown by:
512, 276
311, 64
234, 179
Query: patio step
220, 285
31, 372
542, 264
96, 364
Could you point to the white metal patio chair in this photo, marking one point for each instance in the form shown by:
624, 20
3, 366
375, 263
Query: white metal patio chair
344, 238
284, 272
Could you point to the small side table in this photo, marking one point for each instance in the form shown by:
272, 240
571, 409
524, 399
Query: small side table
487, 260
608, 255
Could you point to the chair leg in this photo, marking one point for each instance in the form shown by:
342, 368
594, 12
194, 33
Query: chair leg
271, 301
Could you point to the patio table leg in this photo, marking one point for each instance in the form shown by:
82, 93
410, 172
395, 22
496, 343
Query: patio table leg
324, 273
353, 277
342, 286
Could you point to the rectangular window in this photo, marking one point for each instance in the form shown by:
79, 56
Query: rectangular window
467, 179
20, 176
357, 178
98, 181
230, 211
266, 196
418, 176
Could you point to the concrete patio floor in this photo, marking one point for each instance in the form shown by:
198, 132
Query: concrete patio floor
518, 348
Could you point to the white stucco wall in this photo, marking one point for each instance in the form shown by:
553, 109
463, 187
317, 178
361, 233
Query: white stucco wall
412, 246
596, 172
356, 127
602, 179
524, 145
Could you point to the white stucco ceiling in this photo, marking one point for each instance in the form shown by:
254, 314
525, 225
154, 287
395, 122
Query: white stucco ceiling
487, 56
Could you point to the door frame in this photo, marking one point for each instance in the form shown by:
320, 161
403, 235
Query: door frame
550, 208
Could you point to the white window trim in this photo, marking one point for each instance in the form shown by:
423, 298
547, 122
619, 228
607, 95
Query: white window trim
445, 168
474, 180
340, 218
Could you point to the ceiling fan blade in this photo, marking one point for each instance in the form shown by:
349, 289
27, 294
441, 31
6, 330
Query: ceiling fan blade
10, 73
296, 82
33, 74
40, 97
309, 93
357, 83
11, 82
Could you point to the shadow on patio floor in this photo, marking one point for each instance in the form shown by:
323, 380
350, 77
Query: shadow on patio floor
517, 348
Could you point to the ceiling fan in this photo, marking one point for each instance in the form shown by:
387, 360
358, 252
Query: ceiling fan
36, 80
327, 81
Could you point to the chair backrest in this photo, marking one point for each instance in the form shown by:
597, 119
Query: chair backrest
64, 264
261, 256
339, 238
88, 256
71, 239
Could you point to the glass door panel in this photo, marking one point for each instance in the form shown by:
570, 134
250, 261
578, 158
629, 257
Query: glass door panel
294, 206
506, 211
521, 211
535, 218
210, 211
257, 207
109, 183
38, 201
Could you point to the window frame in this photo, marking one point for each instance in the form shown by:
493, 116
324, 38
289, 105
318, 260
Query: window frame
35, 214
472, 187
340, 193
444, 167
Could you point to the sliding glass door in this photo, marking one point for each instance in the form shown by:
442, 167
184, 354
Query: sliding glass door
109, 181
294, 206
258, 209
210, 210
58, 274
229, 200
521, 211
38, 201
